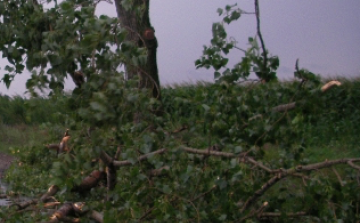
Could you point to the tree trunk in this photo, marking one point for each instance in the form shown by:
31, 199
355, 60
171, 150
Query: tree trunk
136, 20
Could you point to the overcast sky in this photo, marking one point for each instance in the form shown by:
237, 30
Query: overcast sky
324, 35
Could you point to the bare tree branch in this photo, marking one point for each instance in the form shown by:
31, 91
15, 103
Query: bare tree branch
97, 216
284, 107
329, 85
282, 173
275, 214
257, 13
209, 152
262, 190
143, 157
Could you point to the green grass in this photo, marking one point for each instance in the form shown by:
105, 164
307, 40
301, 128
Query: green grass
20, 135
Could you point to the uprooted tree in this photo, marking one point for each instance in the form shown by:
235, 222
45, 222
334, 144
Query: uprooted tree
186, 159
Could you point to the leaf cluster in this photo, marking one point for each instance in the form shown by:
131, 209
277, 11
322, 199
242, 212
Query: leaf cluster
255, 60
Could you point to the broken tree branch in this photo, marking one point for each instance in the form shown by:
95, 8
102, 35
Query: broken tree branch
66, 213
284, 107
97, 216
292, 105
159, 172
53, 189
140, 158
276, 214
282, 173
329, 85
89, 182
45, 197
262, 190
209, 152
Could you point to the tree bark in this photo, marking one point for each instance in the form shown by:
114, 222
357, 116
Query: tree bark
136, 20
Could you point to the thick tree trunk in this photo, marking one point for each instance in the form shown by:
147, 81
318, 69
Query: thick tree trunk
136, 20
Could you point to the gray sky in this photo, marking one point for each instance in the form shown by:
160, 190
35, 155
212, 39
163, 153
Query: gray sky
324, 35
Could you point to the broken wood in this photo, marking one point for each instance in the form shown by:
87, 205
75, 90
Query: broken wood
97, 216
329, 85
89, 182
66, 213
44, 198
53, 189
159, 172
292, 105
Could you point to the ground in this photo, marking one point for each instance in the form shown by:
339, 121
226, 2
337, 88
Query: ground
5, 161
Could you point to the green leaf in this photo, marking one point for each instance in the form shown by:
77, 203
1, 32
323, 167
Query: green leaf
216, 75
238, 149
166, 189
97, 106
7, 78
235, 15
206, 107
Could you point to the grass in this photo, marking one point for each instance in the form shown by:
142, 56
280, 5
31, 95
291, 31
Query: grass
12, 136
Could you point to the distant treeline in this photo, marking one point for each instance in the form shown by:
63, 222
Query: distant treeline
20, 110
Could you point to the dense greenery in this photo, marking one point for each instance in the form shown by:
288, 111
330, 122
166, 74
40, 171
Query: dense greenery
231, 151
34, 111
196, 188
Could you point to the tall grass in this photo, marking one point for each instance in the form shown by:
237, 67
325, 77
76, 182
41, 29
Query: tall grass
34, 111
29, 122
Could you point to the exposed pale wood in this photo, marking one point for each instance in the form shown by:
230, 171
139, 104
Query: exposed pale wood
329, 85
97, 216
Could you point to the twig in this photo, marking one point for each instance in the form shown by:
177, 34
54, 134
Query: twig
262, 190
353, 165
141, 158
258, 164
255, 212
210, 152
282, 173
325, 164
284, 107
337, 176
153, 81
275, 214
158, 172
118, 152
203, 194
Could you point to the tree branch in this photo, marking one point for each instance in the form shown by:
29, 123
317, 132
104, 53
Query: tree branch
209, 152
329, 85
282, 173
140, 158
257, 13
275, 214
262, 190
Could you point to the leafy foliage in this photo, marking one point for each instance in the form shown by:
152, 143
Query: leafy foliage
218, 152
57, 41
215, 55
